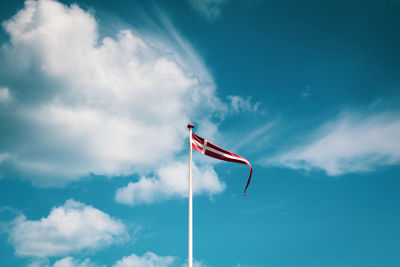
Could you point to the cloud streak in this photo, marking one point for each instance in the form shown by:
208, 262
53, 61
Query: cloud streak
352, 143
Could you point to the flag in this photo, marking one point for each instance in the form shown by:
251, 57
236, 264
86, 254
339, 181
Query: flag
209, 149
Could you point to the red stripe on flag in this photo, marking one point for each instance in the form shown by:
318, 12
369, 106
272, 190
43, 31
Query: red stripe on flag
211, 150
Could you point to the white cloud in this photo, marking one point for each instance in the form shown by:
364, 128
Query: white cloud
306, 92
115, 106
171, 181
353, 142
148, 259
239, 104
68, 229
196, 263
39, 262
246, 265
210, 9
4, 94
71, 262
261, 136
64, 262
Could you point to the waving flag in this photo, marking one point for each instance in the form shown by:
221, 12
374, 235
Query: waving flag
209, 149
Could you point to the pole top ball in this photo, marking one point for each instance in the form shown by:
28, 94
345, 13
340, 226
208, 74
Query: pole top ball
190, 125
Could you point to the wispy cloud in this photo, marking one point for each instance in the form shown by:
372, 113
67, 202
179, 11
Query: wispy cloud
353, 142
258, 136
5, 95
261, 209
209, 9
212, 10
68, 229
246, 265
306, 92
240, 104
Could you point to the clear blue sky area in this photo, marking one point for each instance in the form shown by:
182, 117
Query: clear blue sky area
94, 101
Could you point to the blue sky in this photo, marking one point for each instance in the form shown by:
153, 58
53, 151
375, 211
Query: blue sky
94, 101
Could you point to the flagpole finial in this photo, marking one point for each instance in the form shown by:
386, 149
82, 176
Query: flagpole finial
190, 125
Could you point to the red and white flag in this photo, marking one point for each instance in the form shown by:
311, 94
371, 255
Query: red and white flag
209, 149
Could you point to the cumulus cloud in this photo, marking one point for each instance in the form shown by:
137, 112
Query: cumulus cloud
71, 262
353, 142
64, 262
68, 229
148, 259
170, 182
196, 263
83, 105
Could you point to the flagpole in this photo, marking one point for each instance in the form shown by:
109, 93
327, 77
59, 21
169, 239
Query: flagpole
190, 238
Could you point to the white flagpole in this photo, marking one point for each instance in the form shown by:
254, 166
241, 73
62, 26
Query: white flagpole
190, 239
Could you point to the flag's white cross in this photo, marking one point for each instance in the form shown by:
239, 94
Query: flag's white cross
205, 147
